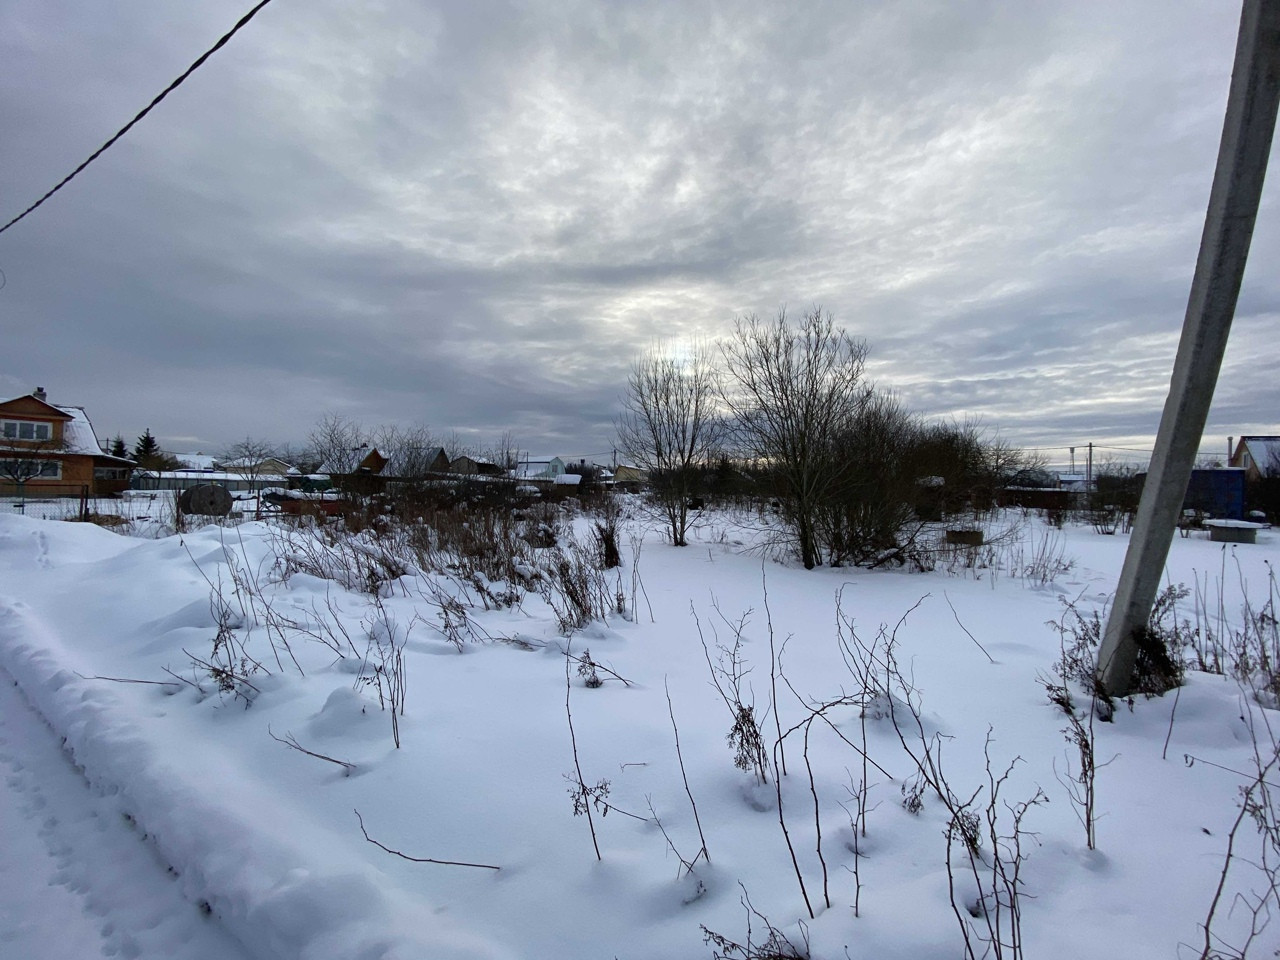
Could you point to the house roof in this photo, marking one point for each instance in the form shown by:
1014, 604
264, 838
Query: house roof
197, 461
31, 405
1263, 450
254, 463
77, 433
371, 460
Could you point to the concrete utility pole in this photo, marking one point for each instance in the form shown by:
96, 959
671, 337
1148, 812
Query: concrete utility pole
1224, 248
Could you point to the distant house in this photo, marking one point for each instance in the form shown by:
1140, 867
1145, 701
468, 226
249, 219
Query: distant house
196, 461
623, 473
49, 449
186, 479
372, 463
1259, 456
547, 468
415, 463
470, 466
364, 476
255, 466
435, 461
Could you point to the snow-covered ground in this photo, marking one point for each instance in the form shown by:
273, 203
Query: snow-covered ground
78, 877
165, 819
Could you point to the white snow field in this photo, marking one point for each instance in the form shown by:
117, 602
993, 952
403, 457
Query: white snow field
166, 819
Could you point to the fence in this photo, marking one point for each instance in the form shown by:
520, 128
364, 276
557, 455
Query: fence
74, 502
43, 498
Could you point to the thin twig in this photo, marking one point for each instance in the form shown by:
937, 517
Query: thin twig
1177, 693
289, 740
684, 776
405, 856
786, 834
817, 818
181, 679
773, 670
966, 629
1191, 760
686, 864
158, 683
573, 740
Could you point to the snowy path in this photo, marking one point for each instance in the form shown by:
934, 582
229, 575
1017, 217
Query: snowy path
79, 879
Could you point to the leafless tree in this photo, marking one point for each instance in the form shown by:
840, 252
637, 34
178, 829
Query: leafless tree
792, 390
302, 457
669, 426
456, 445
506, 453
23, 460
246, 459
410, 451
339, 443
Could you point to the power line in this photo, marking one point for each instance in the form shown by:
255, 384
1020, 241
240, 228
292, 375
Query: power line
125, 129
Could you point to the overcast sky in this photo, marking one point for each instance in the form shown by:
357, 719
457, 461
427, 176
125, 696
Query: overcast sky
473, 215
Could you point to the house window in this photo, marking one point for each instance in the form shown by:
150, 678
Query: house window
25, 430
31, 469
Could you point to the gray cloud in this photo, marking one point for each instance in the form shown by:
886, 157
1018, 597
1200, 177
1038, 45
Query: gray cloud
472, 215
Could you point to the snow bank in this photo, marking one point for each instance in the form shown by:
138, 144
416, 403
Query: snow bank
268, 881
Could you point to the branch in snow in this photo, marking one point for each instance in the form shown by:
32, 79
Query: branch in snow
405, 856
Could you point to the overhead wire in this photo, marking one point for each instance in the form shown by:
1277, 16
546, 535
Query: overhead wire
222, 41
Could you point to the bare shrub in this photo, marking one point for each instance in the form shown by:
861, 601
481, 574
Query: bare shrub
605, 532
574, 586
229, 664
383, 666
729, 672
1255, 647
1080, 780
588, 672
767, 944
1253, 865
1162, 649
992, 839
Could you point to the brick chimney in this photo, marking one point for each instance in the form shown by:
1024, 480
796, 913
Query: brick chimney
39, 394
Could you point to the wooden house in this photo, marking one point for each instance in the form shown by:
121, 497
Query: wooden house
51, 450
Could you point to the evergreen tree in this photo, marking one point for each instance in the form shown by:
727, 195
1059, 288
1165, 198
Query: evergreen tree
118, 449
147, 451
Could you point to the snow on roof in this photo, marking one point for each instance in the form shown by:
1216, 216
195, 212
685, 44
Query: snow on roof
251, 463
77, 433
197, 461
210, 475
1264, 450
542, 469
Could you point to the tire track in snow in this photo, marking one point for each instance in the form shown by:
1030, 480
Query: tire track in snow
76, 879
